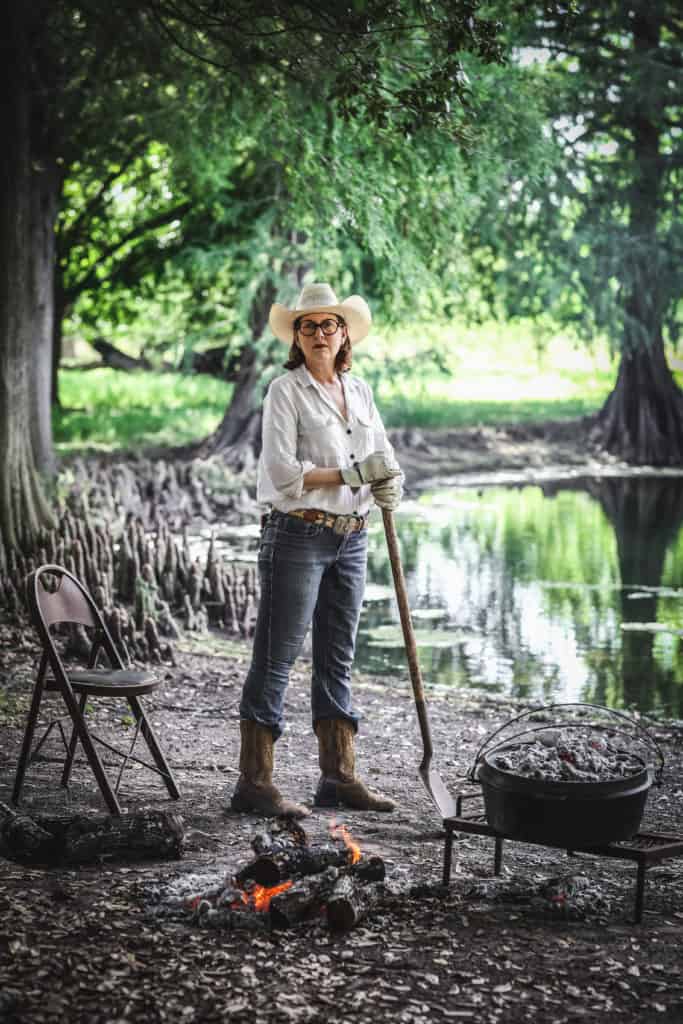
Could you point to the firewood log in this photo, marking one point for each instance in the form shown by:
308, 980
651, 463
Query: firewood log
305, 897
348, 903
81, 839
270, 870
371, 869
24, 839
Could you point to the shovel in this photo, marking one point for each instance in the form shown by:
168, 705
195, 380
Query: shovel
433, 782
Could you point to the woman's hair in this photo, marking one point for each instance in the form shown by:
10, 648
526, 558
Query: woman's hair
342, 362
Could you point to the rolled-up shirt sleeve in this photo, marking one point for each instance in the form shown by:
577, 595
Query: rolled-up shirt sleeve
280, 460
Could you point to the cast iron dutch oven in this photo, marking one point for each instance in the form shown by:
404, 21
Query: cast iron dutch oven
564, 813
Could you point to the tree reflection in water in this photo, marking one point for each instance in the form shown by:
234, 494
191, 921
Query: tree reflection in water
534, 585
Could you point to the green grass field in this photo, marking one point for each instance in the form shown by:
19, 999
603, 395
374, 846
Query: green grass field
423, 376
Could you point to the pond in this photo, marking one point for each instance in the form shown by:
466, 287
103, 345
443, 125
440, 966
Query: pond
569, 590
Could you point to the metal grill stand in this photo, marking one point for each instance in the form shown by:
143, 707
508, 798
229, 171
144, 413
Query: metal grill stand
644, 849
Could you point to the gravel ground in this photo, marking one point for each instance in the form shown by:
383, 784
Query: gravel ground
93, 944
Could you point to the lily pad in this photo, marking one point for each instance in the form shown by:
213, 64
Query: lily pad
375, 592
428, 614
650, 627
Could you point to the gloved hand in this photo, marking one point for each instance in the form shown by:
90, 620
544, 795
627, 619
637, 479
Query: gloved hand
388, 493
373, 467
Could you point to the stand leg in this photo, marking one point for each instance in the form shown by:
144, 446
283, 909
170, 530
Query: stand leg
640, 892
498, 857
447, 856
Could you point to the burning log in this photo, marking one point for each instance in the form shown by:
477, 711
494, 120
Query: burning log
303, 899
370, 870
299, 861
81, 840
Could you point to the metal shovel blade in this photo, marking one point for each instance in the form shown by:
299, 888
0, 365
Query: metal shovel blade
433, 782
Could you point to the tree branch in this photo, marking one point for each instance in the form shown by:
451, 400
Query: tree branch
91, 278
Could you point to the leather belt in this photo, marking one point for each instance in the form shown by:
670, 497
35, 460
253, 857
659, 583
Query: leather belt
339, 524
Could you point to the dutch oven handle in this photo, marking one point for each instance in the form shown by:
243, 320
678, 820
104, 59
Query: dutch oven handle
485, 745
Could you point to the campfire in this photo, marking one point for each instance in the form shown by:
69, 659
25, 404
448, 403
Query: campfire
291, 880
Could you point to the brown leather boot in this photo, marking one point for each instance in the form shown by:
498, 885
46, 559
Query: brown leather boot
338, 782
255, 790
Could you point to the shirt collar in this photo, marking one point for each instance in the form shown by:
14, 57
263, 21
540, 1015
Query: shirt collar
304, 377
307, 380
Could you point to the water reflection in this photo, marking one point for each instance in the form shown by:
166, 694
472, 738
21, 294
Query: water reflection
566, 591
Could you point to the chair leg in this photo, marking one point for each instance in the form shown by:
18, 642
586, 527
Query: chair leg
73, 743
81, 729
153, 744
29, 733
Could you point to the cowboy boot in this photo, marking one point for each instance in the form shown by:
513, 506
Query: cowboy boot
338, 782
255, 790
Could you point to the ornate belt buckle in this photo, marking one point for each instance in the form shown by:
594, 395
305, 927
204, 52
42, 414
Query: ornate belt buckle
340, 525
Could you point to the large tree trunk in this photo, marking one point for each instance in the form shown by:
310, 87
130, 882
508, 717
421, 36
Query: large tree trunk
42, 254
642, 420
238, 436
59, 313
25, 225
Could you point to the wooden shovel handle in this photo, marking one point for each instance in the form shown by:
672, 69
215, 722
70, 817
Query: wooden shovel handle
408, 633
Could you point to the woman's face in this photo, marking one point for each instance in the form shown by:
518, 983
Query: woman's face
320, 336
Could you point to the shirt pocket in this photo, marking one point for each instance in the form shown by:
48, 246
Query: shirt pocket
366, 438
314, 424
316, 439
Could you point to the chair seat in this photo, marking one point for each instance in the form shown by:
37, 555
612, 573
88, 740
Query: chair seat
113, 682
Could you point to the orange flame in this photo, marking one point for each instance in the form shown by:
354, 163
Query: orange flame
259, 896
342, 832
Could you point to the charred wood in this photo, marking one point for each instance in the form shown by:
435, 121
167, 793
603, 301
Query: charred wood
348, 904
306, 898
273, 869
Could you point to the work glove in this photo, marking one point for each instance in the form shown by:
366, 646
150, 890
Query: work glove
373, 467
388, 493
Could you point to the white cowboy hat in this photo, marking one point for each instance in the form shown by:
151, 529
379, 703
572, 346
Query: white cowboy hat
319, 298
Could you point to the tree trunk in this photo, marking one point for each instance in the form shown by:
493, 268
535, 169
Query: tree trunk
642, 420
238, 436
59, 312
26, 221
42, 249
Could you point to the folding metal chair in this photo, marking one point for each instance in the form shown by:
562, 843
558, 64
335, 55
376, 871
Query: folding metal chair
70, 602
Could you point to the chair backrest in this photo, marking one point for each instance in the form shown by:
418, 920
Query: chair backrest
70, 602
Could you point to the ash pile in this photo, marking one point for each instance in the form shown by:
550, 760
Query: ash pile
569, 755
289, 881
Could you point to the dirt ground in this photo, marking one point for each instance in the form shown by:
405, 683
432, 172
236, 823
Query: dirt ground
94, 944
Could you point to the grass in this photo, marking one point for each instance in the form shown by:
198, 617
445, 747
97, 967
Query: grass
107, 409
493, 374
486, 375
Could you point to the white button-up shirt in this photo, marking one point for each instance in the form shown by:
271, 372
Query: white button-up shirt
303, 429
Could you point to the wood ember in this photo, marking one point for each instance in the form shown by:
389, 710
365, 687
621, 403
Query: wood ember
565, 755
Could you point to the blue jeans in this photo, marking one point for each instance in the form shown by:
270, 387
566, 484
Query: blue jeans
307, 573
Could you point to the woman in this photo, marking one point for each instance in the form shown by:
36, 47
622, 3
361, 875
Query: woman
325, 456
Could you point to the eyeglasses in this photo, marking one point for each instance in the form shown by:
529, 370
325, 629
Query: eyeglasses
309, 327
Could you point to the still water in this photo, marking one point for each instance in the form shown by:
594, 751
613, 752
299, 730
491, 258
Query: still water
569, 591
